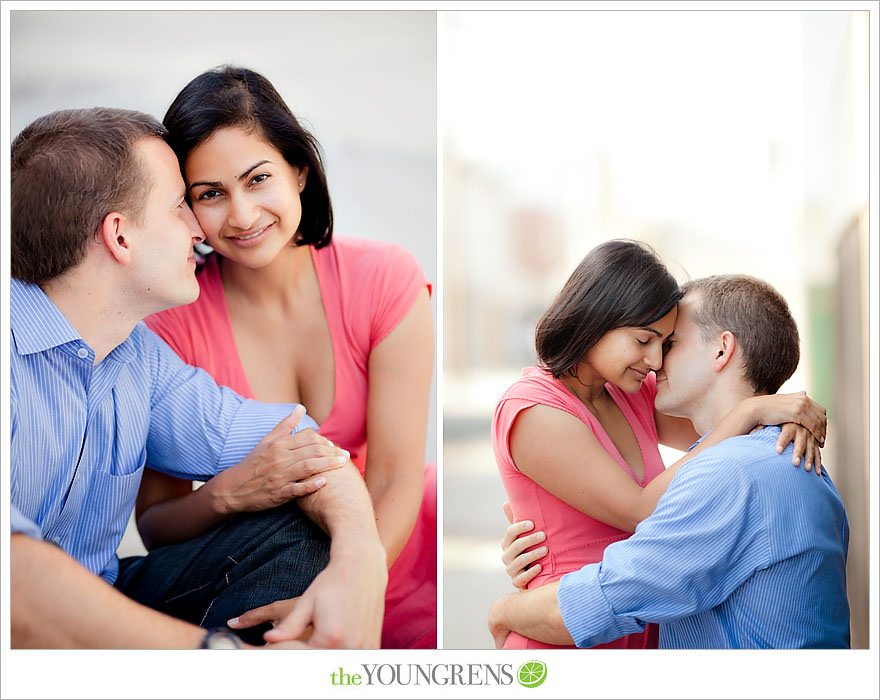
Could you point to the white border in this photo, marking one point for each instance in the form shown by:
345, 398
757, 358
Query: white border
117, 674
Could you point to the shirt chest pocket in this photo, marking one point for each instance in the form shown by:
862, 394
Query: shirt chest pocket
128, 444
105, 512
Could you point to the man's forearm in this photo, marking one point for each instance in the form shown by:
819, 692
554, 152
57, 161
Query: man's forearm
56, 603
346, 600
342, 508
533, 614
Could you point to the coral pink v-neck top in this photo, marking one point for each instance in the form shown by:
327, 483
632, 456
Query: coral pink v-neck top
574, 539
367, 288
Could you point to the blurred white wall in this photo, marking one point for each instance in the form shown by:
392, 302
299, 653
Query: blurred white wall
730, 141
364, 82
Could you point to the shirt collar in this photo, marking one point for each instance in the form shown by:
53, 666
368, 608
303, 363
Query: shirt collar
701, 438
38, 325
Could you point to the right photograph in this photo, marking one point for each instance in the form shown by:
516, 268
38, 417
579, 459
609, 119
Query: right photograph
656, 348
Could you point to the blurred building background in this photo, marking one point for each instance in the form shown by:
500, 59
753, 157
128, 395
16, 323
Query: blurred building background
729, 141
364, 83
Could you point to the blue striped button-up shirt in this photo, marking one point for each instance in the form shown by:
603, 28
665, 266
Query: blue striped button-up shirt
82, 433
743, 551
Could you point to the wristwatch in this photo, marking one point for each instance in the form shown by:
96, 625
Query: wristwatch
221, 638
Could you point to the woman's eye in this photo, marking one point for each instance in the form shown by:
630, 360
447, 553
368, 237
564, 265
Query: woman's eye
257, 179
643, 342
208, 194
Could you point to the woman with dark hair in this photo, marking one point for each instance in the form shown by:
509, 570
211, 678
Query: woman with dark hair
288, 312
576, 439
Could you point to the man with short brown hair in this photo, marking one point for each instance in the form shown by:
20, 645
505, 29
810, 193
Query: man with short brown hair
101, 237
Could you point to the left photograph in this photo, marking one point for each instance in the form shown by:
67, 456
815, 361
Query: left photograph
223, 322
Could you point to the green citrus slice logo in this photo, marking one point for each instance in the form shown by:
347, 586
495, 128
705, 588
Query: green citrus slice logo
531, 674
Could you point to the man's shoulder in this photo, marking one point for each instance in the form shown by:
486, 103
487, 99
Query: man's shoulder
148, 349
737, 461
753, 462
752, 449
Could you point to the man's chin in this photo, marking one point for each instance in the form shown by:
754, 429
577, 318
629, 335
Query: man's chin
667, 406
181, 299
191, 296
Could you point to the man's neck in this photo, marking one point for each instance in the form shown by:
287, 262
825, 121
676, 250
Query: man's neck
719, 401
93, 307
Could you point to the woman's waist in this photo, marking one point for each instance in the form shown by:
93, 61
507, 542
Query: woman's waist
562, 560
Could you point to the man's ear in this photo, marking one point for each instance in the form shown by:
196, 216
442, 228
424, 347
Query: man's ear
725, 346
113, 234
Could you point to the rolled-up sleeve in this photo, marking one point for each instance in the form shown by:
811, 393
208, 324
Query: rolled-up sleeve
687, 557
588, 617
22, 525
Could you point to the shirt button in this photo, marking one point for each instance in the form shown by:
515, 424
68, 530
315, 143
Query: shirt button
83, 353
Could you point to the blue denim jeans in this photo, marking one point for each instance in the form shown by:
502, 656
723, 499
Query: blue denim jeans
250, 560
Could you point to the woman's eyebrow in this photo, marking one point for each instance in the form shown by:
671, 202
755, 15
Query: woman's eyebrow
204, 183
217, 183
251, 169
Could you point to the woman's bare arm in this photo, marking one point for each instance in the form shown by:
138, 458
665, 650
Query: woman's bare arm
560, 453
400, 369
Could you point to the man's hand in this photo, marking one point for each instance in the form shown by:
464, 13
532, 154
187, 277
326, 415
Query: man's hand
342, 608
344, 604
282, 466
498, 626
533, 614
273, 613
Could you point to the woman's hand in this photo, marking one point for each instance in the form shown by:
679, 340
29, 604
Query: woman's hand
805, 446
514, 556
803, 421
776, 409
281, 467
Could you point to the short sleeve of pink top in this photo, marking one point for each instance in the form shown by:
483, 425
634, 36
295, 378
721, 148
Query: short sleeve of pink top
573, 538
367, 288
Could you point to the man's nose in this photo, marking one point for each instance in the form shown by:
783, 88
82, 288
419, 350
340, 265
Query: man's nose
654, 356
192, 224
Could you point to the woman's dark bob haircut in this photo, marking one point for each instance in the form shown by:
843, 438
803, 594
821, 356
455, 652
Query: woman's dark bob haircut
621, 283
231, 96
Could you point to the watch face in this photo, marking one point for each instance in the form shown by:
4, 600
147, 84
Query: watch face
222, 640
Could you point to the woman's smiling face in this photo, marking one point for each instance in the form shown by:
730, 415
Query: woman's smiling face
245, 195
624, 356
